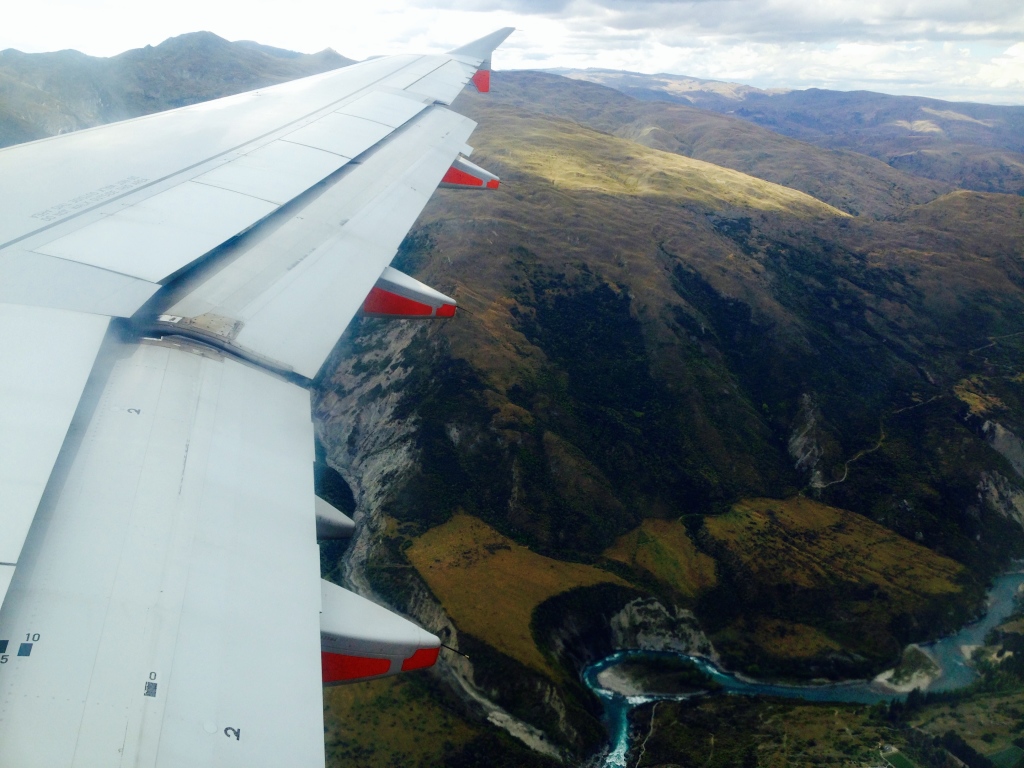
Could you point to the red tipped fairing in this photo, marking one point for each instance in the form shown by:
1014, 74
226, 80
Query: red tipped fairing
360, 639
398, 295
464, 174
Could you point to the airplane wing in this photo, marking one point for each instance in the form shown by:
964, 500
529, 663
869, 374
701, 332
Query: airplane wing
169, 287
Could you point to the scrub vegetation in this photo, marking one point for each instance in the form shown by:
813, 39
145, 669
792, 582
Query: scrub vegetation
775, 382
807, 580
490, 585
733, 731
727, 396
664, 550
411, 721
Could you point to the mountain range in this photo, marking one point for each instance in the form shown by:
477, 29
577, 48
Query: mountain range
735, 372
973, 146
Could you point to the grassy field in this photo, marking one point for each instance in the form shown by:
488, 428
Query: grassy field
1011, 757
409, 720
799, 541
1016, 626
785, 639
732, 731
389, 722
988, 722
665, 550
564, 153
816, 579
490, 585
897, 760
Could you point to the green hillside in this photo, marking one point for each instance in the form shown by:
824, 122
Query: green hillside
968, 145
853, 182
643, 337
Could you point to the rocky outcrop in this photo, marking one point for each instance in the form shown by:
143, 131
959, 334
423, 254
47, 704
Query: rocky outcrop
648, 624
1002, 495
805, 441
1007, 444
370, 442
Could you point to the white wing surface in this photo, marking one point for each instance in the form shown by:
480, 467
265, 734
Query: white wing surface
168, 288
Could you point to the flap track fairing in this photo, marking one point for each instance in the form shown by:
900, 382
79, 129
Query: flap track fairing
466, 175
398, 295
360, 639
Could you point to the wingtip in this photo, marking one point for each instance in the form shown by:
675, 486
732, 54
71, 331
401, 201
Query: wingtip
484, 47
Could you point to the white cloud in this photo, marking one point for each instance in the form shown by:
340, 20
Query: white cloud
946, 48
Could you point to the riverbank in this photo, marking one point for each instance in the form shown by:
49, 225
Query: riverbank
939, 665
918, 669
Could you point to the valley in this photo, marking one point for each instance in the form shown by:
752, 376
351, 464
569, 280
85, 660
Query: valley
717, 386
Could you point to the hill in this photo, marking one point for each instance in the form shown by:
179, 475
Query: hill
43, 94
645, 339
850, 181
973, 146
697, 364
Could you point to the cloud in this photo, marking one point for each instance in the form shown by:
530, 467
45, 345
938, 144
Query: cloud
782, 20
944, 48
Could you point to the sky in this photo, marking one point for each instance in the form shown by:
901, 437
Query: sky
968, 50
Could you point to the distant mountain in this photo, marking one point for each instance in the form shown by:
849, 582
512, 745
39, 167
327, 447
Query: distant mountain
43, 94
973, 146
850, 181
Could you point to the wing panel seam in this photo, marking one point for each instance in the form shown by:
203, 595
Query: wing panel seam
327, 109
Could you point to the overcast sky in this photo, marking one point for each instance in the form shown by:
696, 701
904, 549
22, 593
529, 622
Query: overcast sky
956, 49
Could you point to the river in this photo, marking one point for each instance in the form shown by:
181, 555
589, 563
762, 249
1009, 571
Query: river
947, 652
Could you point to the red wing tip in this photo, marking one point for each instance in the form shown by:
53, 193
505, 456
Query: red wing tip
482, 80
493, 184
446, 310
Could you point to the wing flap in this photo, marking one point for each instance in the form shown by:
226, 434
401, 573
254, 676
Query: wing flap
47, 357
172, 580
44, 281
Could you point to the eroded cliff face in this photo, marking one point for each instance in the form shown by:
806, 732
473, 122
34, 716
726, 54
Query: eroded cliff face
1006, 443
370, 441
1003, 495
356, 414
650, 625
369, 430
